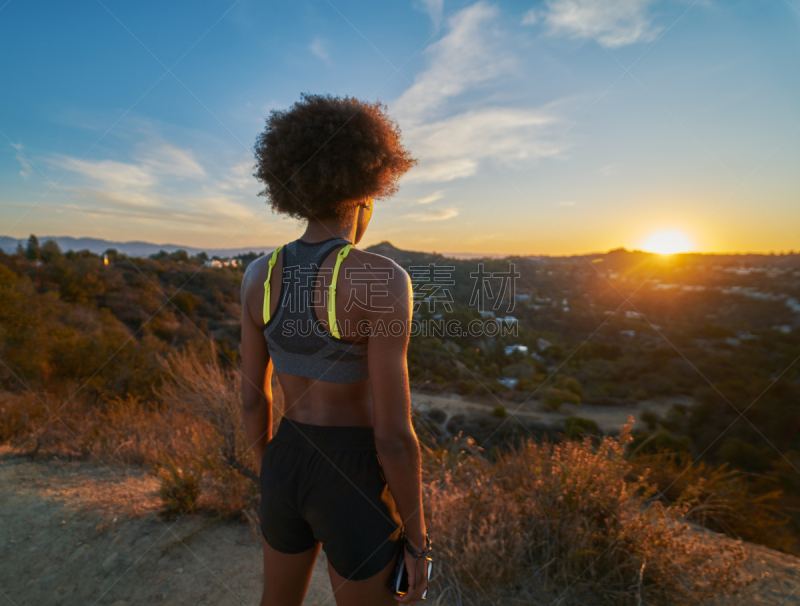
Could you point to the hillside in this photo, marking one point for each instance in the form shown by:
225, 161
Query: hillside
682, 344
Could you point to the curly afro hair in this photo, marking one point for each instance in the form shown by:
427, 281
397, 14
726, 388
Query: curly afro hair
323, 155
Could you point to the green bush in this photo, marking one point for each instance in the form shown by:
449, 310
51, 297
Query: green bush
553, 398
180, 488
577, 428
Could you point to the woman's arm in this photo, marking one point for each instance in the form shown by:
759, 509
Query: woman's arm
256, 379
395, 439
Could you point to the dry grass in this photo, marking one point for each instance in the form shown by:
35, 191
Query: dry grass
574, 518
566, 517
721, 498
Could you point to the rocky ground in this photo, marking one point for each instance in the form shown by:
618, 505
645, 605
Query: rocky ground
71, 533
78, 534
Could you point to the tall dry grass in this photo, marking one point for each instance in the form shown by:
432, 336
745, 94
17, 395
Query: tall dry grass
216, 460
566, 518
574, 518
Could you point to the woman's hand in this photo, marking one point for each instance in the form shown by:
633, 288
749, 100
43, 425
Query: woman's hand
417, 569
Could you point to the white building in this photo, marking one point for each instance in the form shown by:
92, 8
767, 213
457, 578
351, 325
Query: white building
508, 382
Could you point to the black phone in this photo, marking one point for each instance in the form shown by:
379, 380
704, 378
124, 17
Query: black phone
400, 576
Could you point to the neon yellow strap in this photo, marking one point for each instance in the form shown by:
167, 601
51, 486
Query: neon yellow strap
266, 284
332, 291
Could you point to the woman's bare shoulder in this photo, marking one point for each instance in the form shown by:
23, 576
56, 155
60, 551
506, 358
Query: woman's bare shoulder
256, 272
389, 269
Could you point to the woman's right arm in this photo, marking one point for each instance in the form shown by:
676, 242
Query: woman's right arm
395, 438
256, 376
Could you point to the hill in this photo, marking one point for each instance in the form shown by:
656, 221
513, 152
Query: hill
132, 248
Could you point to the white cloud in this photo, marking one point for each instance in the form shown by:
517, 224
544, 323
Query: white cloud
110, 173
470, 54
453, 148
318, 48
439, 214
162, 184
27, 169
431, 198
530, 18
473, 52
613, 23
169, 160
434, 8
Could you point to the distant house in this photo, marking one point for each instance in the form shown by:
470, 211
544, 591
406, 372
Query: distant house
628, 333
633, 315
222, 263
522, 298
542, 344
508, 382
510, 320
487, 314
510, 349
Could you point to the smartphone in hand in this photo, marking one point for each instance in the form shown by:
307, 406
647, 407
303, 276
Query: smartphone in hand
400, 576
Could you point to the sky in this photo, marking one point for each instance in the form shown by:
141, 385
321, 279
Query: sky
556, 127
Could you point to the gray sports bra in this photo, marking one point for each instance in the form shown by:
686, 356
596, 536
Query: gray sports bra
298, 343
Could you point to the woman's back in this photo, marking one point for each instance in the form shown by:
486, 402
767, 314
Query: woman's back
325, 380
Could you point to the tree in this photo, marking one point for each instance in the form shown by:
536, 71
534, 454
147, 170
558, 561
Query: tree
32, 250
50, 251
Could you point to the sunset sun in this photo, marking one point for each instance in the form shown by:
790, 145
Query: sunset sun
666, 242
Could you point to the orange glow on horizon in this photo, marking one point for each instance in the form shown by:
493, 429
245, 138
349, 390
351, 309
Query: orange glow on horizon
667, 242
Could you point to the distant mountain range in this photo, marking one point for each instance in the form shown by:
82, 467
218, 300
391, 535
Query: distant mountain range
133, 249
145, 249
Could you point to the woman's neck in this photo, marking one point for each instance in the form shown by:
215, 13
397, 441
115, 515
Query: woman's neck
319, 230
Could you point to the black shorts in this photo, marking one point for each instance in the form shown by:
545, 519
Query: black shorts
325, 484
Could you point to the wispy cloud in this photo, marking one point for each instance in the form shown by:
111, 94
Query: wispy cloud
438, 214
530, 18
27, 169
161, 186
469, 54
319, 48
431, 198
473, 53
613, 23
434, 8
453, 148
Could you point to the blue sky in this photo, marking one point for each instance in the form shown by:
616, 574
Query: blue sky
553, 127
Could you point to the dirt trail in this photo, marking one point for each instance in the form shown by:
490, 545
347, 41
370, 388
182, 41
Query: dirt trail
608, 418
75, 534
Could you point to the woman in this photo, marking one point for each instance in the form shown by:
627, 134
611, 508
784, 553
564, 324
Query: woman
343, 470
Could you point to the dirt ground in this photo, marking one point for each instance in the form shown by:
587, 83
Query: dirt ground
608, 418
77, 534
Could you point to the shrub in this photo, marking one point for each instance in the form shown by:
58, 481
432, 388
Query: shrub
500, 412
200, 388
180, 488
566, 515
553, 398
577, 428
720, 498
